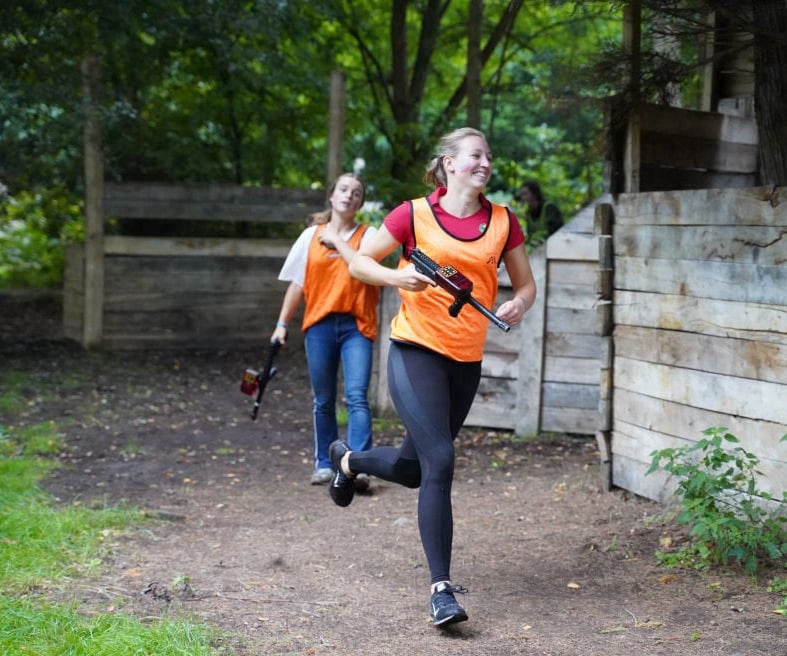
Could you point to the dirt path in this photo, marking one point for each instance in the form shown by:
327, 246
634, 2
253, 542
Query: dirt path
554, 566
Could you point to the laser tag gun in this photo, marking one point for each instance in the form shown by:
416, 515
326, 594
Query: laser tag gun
455, 284
254, 382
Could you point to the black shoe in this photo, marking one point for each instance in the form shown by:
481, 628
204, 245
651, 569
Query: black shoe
444, 608
342, 488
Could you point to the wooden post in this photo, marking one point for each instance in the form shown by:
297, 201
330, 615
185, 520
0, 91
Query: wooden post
531, 356
336, 128
602, 226
632, 35
92, 326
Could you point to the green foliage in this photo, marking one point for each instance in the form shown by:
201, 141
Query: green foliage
731, 520
34, 228
779, 586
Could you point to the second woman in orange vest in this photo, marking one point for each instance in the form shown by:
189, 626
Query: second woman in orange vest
339, 320
434, 361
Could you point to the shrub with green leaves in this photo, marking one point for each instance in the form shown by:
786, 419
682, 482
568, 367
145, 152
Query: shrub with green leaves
731, 520
34, 228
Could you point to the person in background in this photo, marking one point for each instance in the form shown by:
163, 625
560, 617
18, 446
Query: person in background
434, 363
339, 320
541, 214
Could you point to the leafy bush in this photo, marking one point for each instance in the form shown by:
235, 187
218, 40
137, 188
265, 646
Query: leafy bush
34, 228
730, 519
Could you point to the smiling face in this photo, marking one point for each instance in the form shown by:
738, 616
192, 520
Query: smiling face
347, 195
472, 165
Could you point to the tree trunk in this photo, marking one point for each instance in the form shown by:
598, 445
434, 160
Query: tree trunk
474, 65
770, 88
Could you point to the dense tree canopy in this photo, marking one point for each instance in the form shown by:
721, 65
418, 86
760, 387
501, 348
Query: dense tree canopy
238, 90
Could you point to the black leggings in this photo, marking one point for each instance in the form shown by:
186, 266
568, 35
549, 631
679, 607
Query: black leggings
432, 394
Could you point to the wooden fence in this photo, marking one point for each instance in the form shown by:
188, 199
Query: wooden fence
700, 328
187, 291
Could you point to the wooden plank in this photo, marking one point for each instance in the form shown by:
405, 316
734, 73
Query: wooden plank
571, 321
572, 246
656, 177
210, 202
726, 394
739, 320
761, 245
500, 365
574, 345
564, 272
571, 370
663, 121
569, 420
687, 152
531, 347
760, 206
688, 423
721, 355
629, 474
196, 246
571, 297
753, 283
570, 395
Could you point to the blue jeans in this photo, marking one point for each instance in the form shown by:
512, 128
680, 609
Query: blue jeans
337, 339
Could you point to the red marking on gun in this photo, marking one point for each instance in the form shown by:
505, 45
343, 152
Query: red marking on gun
254, 382
455, 284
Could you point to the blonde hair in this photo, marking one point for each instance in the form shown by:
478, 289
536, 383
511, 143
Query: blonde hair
325, 215
449, 145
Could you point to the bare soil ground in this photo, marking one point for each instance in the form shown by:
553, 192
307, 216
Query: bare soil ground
241, 541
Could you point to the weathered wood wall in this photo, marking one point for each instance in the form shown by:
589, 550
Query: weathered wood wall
572, 345
169, 293
674, 148
700, 327
186, 291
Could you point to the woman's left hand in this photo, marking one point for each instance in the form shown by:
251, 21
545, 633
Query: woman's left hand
512, 311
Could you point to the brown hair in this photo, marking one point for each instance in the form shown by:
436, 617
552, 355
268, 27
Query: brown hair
449, 145
325, 215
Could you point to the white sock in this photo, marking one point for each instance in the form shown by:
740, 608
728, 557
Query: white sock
345, 464
440, 584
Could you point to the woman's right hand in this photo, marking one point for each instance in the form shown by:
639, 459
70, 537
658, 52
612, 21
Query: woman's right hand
408, 278
279, 333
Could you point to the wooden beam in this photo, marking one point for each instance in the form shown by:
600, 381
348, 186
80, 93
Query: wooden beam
94, 212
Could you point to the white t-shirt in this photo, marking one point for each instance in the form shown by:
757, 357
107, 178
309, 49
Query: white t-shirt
294, 267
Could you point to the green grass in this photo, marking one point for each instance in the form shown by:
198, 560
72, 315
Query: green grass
43, 547
32, 626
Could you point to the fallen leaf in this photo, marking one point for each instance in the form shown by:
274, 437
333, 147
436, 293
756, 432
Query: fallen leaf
649, 624
667, 578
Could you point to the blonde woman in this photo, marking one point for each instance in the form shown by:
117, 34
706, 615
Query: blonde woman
434, 363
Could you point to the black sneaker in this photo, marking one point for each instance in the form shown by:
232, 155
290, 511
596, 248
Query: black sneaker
444, 608
342, 488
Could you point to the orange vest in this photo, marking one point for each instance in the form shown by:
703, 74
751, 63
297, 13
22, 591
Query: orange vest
423, 316
329, 288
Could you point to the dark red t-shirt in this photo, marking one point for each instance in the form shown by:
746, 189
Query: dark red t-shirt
400, 226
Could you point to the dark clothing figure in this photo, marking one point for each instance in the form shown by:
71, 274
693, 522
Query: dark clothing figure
541, 215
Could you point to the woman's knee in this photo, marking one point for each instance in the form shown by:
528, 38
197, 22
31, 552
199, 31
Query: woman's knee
408, 473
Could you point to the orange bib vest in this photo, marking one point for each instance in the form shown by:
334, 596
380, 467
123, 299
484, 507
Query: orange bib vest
329, 288
423, 316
